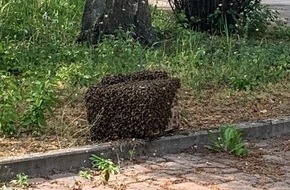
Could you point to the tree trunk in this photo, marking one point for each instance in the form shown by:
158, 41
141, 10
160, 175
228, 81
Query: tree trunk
103, 17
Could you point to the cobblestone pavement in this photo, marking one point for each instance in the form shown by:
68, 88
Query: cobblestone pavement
267, 167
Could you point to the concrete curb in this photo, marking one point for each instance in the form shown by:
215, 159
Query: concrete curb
43, 164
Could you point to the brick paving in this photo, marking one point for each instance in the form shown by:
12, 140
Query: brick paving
267, 167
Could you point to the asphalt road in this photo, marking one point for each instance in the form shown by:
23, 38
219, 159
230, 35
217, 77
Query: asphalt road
282, 6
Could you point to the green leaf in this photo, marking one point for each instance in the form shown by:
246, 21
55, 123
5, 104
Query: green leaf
230, 141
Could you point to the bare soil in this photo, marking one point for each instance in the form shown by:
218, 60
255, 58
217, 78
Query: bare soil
198, 111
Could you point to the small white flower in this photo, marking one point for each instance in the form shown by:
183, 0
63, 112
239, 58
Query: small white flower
135, 8
45, 16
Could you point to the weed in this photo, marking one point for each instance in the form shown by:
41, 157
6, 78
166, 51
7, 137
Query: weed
42, 99
24, 104
86, 175
21, 180
9, 97
132, 154
106, 167
229, 140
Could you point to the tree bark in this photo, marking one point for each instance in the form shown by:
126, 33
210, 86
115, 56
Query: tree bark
103, 17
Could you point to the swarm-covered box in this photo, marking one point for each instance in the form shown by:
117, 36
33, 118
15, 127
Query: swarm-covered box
137, 105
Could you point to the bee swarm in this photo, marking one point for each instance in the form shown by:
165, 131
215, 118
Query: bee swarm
137, 105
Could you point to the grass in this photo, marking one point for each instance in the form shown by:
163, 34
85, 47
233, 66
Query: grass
105, 166
42, 92
21, 180
86, 175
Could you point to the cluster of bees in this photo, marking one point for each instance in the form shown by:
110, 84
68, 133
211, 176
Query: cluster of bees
137, 105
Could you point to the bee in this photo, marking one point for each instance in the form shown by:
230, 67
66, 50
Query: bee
137, 105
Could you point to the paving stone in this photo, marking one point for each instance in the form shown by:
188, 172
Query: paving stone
70, 181
207, 178
229, 170
236, 185
274, 159
121, 178
143, 177
286, 169
101, 187
162, 179
61, 175
135, 169
154, 160
142, 186
264, 181
209, 170
208, 164
188, 186
153, 166
49, 186
244, 178
174, 165
182, 157
175, 168
224, 161
37, 180
262, 144
278, 186
188, 161
88, 187
157, 177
